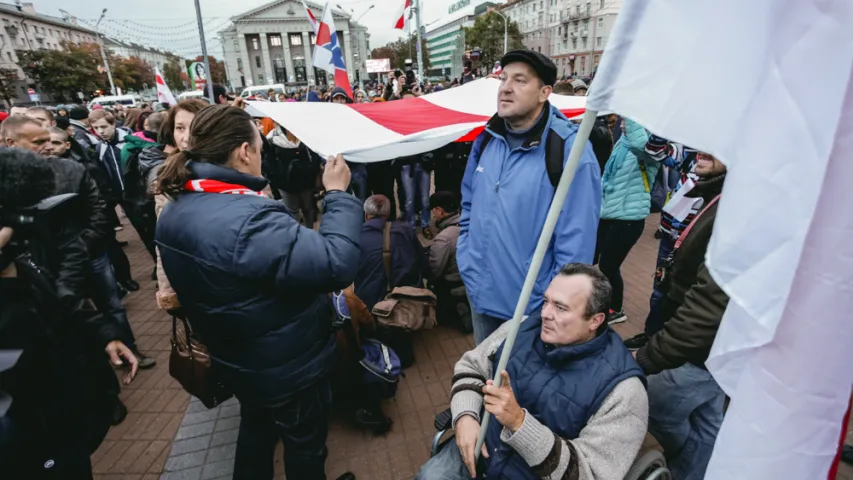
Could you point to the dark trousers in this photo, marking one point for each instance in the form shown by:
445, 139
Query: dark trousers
615, 239
301, 201
380, 181
656, 319
144, 221
302, 424
119, 260
104, 293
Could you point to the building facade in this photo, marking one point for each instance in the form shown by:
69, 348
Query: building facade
24, 29
573, 33
272, 44
154, 57
445, 37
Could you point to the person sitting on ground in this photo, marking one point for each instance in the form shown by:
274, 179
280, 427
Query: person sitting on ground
377, 275
443, 271
571, 404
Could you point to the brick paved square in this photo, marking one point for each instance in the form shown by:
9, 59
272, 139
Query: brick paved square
168, 435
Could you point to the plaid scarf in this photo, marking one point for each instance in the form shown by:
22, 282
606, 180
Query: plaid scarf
215, 186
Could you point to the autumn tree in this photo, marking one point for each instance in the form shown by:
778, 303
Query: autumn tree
217, 69
8, 78
172, 75
63, 73
487, 34
400, 50
132, 74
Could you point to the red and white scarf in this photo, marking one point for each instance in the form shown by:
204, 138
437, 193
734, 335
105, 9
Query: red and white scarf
215, 186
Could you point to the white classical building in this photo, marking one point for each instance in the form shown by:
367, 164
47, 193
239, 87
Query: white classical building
273, 44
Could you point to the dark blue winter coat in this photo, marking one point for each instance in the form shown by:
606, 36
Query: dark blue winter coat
562, 387
407, 260
254, 283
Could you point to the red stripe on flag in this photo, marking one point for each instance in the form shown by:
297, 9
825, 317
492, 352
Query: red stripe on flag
413, 115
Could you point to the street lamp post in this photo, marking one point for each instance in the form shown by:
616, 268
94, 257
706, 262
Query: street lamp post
103, 54
209, 79
505, 28
365, 13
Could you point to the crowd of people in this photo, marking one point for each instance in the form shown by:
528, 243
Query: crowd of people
250, 232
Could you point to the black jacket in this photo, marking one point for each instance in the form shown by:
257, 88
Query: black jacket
291, 169
693, 303
255, 284
63, 389
72, 177
137, 174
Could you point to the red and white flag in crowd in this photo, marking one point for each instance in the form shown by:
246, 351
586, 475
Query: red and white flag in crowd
327, 51
164, 95
401, 21
371, 132
311, 18
781, 245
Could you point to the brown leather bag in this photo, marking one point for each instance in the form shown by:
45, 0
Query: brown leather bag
409, 308
190, 365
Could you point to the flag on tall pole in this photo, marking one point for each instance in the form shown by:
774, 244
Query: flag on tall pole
164, 95
402, 18
327, 51
780, 247
311, 18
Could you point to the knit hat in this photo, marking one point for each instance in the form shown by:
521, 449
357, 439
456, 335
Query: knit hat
78, 113
578, 84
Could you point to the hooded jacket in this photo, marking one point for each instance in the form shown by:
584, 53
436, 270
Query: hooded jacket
505, 199
255, 284
109, 156
628, 176
340, 91
693, 304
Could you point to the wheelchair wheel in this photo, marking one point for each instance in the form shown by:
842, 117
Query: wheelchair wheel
649, 466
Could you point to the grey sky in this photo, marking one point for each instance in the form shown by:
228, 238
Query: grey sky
168, 23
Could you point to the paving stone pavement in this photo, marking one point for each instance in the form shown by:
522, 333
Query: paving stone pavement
168, 435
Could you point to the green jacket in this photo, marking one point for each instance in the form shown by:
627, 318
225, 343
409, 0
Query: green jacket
132, 145
626, 191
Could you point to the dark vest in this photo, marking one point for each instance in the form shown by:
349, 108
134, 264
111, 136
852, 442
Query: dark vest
562, 387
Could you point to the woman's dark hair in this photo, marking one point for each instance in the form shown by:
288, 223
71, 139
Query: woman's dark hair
166, 135
216, 131
140, 124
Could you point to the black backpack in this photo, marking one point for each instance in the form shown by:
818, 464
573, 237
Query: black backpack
554, 155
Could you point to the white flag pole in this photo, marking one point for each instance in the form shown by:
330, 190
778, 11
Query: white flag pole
571, 167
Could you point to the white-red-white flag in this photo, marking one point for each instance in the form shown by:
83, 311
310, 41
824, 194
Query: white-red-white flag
401, 21
781, 245
164, 95
311, 18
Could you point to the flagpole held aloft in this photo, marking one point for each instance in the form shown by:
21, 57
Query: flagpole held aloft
587, 122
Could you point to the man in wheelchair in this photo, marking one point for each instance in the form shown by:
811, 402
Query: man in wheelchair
572, 402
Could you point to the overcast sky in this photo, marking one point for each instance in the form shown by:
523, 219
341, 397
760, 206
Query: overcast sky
169, 23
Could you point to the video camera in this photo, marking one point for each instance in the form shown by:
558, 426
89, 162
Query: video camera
28, 223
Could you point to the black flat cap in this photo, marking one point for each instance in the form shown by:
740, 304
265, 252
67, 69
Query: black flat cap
542, 65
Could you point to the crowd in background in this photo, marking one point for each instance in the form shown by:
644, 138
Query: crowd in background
250, 230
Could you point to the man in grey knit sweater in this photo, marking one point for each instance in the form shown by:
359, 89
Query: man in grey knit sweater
571, 404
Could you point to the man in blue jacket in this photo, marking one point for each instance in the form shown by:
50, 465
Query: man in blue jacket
506, 193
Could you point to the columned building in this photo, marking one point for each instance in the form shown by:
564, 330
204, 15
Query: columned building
274, 44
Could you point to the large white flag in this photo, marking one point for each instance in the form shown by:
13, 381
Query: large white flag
164, 95
765, 85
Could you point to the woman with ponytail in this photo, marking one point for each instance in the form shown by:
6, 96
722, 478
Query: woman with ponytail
254, 284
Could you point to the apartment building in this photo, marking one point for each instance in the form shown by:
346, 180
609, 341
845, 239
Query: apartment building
573, 33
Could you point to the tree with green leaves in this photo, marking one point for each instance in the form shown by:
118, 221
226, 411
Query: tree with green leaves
172, 75
8, 77
487, 34
63, 73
